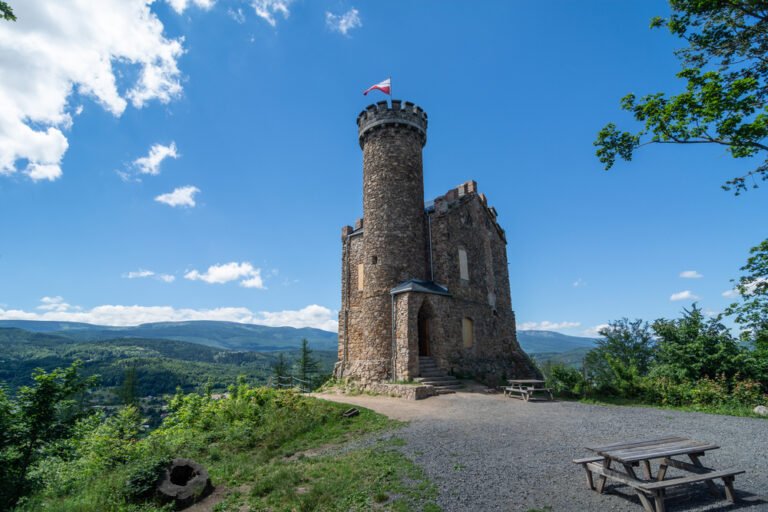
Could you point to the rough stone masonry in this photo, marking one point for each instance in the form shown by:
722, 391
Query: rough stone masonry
421, 281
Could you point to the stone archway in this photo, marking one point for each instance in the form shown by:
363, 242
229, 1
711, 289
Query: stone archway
424, 326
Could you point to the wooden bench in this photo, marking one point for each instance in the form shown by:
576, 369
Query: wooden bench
656, 488
526, 392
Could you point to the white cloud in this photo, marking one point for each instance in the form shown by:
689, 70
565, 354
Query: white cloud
313, 315
343, 23
594, 332
220, 274
53, 304
71, 46
749, 288
150, 164
138, 274
546, 325
141, 273
237, 14
684, 295
690, 274
267, 9
182, 196
180, 5
579, 283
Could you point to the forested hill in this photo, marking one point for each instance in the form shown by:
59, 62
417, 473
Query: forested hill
160, 364
536, 342
222, 335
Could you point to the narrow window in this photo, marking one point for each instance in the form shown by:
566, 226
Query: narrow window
468, 332
374, 260
463, 266
360, 280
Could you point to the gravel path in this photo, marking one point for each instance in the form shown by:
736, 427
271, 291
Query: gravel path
491, 453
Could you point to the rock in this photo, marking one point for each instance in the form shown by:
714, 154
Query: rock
184, 483
761, 410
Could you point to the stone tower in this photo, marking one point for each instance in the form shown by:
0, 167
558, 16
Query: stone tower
393, 209
421, 282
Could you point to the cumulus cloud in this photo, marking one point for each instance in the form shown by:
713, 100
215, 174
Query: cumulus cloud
594, 332
249, 276
343, 23
690, 274
182, 196
267, 9
313, 315
749, 288
729, 294
53, 304
180, 5
579, 283
142, 273
69, 46
546, 325
684, 295
150, 164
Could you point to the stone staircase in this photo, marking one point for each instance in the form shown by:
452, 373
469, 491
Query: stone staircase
431, 375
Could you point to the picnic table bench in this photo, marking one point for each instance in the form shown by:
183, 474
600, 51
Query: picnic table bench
628, 455
527, 388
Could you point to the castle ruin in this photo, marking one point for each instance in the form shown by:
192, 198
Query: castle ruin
421, 284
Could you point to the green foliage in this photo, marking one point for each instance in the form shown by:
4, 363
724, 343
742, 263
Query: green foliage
726, 88
564, 380
623, 354
694, 347
6, 12
306, 365
34, 423
752, 312
248, 437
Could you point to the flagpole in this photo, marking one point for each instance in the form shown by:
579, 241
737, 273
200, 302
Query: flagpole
391, 96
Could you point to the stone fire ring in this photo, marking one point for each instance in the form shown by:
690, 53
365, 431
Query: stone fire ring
184, 482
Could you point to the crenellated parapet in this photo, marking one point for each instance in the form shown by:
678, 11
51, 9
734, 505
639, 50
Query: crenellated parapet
382, 115
458, 195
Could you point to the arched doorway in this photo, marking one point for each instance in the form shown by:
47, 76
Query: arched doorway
424, 320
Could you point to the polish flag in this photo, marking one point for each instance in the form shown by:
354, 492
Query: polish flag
385, 87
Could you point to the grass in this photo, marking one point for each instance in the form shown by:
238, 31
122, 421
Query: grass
270, 450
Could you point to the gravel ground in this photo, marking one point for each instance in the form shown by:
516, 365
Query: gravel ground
491, 453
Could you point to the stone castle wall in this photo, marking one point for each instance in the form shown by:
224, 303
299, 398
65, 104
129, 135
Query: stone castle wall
399, 240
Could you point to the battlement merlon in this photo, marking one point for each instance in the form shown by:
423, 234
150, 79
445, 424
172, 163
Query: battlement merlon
456, 195
381, 114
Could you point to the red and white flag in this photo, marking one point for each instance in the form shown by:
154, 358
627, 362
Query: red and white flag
385, 87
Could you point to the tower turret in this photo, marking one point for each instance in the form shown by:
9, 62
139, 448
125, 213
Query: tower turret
394, 241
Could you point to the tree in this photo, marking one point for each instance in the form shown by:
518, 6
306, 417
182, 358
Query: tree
280, 369
623, 354
6, 12
725, 69
128, 389
307, 365
752, 313
39, 416
693, 347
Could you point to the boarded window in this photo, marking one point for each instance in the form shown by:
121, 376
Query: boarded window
468, 332
360, 280
463, 266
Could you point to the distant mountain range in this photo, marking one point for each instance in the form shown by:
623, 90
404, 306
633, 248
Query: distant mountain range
259, 338
221, 335
538, 342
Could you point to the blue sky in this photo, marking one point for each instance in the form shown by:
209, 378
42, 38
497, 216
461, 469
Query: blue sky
250, 108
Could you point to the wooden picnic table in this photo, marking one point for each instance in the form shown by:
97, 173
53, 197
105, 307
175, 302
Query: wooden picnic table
612, 458
526, 388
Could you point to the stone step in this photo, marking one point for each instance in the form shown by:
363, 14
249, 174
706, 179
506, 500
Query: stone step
437, 378
433, 373
443, 391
